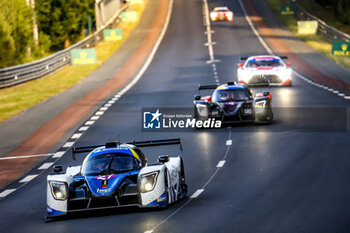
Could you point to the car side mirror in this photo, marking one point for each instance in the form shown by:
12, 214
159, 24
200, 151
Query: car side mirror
197, 97
240, 65
57, 168
288, 64
163, 158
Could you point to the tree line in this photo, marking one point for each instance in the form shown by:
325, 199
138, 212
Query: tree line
341, 9
60, 23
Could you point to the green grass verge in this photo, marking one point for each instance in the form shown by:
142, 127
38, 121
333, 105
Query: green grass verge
318, 41
14, 100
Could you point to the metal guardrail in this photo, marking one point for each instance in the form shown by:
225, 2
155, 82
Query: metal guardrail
14, 75
329, 32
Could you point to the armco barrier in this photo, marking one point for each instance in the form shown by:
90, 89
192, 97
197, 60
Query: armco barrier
329, 32
14, 75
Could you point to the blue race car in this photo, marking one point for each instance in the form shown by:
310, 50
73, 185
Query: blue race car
116, 175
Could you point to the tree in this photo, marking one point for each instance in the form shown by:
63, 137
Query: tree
7, 44
63, 20
15, 31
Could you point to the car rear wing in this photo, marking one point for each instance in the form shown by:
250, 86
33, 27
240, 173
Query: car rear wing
207, 87
162, 142
282, 57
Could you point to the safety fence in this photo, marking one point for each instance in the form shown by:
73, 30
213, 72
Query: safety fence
329, 32
14, 75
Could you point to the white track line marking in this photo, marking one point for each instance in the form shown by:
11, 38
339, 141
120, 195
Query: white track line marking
108, 105
197, 193
254, 29
347, 97
207, 23
112, 101
45, 166
28, 178
25, 156
94, 118
76, 135
150, 231
68, 144
228, 142
221, 163
6, 192
99, 113
58, 154
83, 128
103, 109
89, 122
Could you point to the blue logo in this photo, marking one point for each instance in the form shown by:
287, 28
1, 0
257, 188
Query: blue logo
151, 120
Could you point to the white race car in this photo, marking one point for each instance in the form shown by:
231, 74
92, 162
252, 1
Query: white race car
116, 175
221, 13
264, 70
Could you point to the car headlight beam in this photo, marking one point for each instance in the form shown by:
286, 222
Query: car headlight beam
148, 181
59, 190
260, 106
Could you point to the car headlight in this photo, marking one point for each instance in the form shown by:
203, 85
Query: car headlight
59, 190
260, 106
202, 110
148, 181
286, 75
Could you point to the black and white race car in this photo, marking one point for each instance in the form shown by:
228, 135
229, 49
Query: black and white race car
116, 175
233, 103
264, 70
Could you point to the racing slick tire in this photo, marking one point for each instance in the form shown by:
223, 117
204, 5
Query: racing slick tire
182, 181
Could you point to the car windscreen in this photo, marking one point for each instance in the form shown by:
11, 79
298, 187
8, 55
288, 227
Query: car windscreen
220, 9
255, 63
230, 95
111, 163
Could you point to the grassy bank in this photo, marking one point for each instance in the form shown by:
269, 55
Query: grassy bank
318, 41
15, 100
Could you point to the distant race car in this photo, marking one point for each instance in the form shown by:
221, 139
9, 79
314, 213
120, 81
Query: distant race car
221, 14
233, 103
116, 175
264, 70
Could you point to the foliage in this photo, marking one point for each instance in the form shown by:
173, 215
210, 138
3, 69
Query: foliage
341, 9
63, 21
15, 31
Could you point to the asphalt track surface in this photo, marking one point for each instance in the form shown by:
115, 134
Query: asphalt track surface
275, 179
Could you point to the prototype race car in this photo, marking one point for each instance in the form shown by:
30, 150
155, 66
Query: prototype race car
116, 175
221, 13
264, 70
233, 103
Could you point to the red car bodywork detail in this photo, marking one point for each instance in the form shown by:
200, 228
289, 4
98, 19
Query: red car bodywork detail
207, 98
270, 97
218, 16
242, 82
287, 83
262, 95
265, 68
